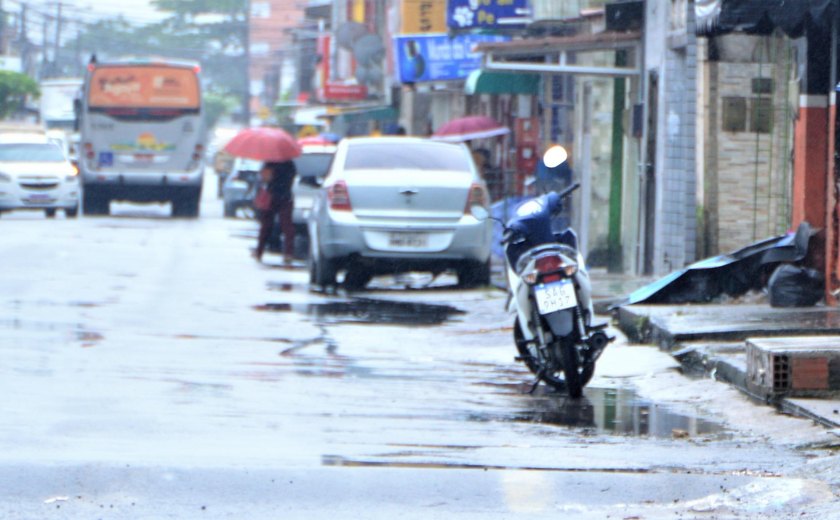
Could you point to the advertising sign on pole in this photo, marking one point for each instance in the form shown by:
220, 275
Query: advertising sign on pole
423, 16
487, 14
438, 57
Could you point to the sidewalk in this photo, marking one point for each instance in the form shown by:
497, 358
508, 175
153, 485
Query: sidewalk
711, 339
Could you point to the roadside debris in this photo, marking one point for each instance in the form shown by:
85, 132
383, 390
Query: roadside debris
795, 286
735, 274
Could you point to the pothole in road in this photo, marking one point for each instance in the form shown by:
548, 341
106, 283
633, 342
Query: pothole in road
617, 411
365, 310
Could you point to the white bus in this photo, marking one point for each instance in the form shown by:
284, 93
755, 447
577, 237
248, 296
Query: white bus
141, 134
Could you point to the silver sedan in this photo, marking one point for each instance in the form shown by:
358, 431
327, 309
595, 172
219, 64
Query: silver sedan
392, 205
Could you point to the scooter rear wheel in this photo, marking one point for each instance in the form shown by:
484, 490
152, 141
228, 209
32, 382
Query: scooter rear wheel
570, 368
554, 376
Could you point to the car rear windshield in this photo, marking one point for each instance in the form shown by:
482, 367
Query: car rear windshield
313, 164
390, 156
30, 152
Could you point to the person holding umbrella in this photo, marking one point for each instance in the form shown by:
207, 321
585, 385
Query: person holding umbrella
276, 148
279, 177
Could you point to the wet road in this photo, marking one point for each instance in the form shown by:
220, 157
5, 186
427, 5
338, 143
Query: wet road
151, 369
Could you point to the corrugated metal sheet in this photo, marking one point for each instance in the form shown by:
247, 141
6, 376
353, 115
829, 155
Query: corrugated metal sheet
764, 16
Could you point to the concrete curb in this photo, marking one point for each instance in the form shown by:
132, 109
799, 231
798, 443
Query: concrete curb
721, 355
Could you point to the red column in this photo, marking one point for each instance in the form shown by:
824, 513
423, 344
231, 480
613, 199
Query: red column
810, 168
832, 268
810, 171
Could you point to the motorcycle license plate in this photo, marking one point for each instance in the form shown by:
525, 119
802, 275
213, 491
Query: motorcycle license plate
555, 296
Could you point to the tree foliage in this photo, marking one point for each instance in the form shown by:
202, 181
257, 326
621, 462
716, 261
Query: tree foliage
220, 29
14, 88
215, 106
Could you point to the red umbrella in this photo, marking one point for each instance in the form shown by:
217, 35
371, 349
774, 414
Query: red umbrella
264, 144
469, 127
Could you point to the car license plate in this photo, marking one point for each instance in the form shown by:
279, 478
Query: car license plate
408, 240
555, 296
39, 198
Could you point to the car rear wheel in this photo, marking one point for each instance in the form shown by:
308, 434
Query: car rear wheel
71, 212
322, 271
474, 274
50, 212
357, 278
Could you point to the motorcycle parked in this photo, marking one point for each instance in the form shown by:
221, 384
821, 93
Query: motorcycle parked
550, 295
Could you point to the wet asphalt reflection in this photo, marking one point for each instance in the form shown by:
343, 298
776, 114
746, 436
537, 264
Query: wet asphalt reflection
610, 411
617, 411
369, 310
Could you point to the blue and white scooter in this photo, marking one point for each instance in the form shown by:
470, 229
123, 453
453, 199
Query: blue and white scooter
550, 294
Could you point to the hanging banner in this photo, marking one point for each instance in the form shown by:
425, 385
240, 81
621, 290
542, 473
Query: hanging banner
423, 16
438, 57
488, 14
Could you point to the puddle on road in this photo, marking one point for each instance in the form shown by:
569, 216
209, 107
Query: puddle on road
365, 310
615, 411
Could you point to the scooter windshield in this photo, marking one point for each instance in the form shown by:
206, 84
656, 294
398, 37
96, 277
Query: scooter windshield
531, 208
532, 222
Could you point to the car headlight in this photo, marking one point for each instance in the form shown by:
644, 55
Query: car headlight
74, 173
5, 177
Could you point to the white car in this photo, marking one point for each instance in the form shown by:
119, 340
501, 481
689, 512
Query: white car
312, 166
36, 174
391, 205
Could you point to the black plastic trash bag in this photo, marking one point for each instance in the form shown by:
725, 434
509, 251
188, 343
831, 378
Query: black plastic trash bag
795, 286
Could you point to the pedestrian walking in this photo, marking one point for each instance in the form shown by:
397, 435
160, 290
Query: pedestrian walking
279, 177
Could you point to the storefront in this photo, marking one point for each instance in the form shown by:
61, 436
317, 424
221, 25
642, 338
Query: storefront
815, 170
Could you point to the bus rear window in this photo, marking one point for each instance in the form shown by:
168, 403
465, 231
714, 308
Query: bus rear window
143, 87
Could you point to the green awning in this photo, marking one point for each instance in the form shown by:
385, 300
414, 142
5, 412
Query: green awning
491, 82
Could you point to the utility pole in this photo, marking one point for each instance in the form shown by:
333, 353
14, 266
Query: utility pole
2, 30
246, 98
44, 72
24, 41
57, 43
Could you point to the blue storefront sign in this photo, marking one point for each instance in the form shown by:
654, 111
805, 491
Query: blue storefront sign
438, 57
487, 14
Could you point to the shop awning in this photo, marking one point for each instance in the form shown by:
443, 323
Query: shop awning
554, 53
763, 16
488, 82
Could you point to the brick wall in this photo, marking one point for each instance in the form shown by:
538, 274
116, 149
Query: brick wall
751, 171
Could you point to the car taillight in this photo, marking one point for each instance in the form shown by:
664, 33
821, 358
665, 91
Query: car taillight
476, 197
339, 197
199, 149
89, 151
